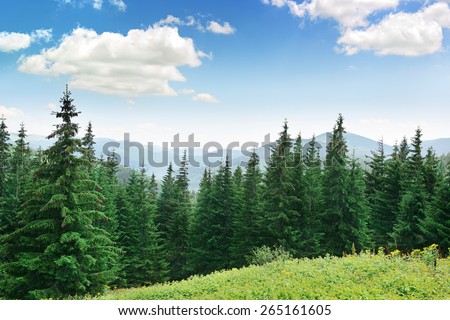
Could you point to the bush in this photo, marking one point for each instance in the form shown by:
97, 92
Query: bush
265, 254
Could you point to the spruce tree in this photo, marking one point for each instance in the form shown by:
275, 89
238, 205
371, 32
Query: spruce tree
59, 251
436, 225
174, 210
344, 205
4, 155
282, 221
248, 219
220, 220
394, 173
18, 180
431, 171
144, 261
312, 203
199, 229
381, 219
88, 144
237, 184
177, 226
406, 232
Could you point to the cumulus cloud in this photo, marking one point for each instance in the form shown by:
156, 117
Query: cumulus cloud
205, 97
42, 34
211, 26
141, 62
296, 9
349, 13
10, 112
96, 4
398, 33
14, 41
216, 27
120, 4
169, 20
405, 34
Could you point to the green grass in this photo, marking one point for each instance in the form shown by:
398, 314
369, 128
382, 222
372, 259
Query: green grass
361, 276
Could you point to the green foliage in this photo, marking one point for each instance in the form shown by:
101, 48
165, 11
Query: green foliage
356, 277
281, 218
382, 212
406, 231
265, 254
4, 155
248, 218
59, 250
345, 213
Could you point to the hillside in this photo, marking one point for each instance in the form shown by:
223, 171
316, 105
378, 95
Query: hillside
354, 277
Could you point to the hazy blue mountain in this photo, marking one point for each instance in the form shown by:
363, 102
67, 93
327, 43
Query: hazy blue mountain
358, 145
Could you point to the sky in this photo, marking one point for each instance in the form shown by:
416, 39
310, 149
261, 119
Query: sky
228, 70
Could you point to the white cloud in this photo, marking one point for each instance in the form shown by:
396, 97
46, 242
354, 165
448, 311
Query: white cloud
296, 9
349, 13
205, 97
405, 34
398, 33
439, 12
10, 112
52, 107
120, 4
97, 4
141, 62
186, 91
216, 27
42, 34
14, 41
169, 20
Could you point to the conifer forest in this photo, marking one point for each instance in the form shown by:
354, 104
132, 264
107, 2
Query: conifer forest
70, 228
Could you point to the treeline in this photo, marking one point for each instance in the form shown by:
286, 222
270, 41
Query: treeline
69, 227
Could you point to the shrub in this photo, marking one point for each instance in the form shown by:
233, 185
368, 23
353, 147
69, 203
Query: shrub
265, 254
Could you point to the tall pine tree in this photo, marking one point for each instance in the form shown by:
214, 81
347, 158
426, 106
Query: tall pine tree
345, 211
406, 232
59, 251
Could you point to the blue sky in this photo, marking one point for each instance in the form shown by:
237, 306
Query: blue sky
228, 70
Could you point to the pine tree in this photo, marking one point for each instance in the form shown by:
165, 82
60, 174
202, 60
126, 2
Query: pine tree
381, 217
436, 225
4, 155
177, 228
20, 164
406, 232
58, 251
220, 220
174, 207
344, 208
199, 231
237, 184
88, 147
18, 180
247, 221
431, 171
146, 261
281, 219
394, 173
312, 203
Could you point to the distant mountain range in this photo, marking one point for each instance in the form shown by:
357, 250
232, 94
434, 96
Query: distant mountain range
358, 146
